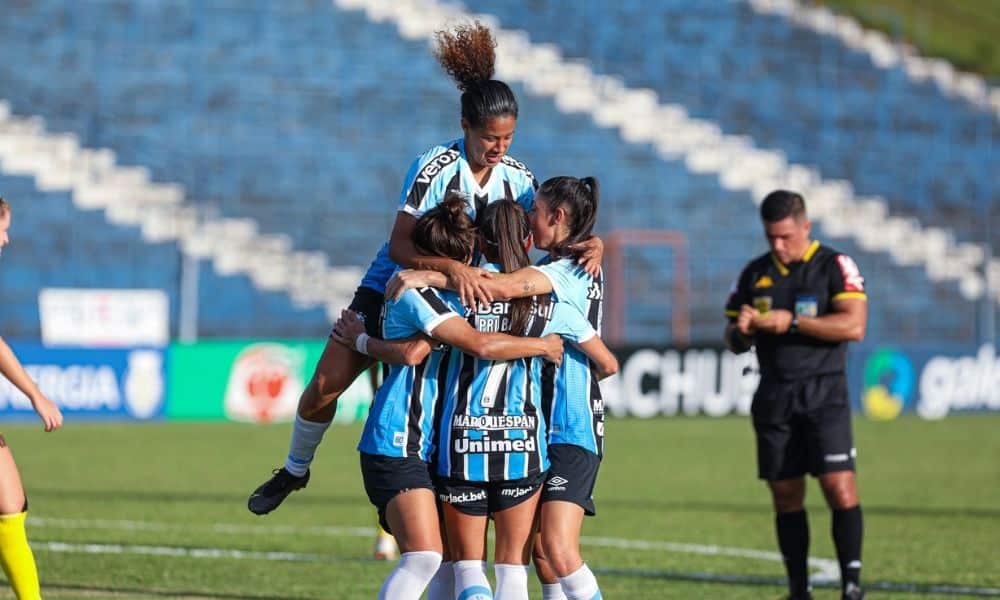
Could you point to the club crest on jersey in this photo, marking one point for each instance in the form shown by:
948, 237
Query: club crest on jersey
762, 303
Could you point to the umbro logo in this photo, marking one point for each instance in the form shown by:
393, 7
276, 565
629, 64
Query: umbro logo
557, 484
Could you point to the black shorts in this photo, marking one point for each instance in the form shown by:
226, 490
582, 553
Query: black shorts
386, 477
572, 476
483, 498
368, 304
803, 426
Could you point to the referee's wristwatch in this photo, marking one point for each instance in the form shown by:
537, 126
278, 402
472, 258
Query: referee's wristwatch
794, 327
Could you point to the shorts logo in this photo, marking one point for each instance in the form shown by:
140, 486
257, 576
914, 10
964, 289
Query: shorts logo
516, 492
464, 497
836, 458
557, 484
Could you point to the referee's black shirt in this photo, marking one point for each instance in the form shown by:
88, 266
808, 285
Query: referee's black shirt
806, 288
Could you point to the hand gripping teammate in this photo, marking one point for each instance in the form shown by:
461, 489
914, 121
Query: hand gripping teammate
398, 437
15, 554
799, 305
564, 213
475, 164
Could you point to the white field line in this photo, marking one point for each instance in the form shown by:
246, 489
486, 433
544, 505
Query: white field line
826, 569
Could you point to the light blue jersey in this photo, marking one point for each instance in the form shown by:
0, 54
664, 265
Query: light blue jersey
442, 169
572, 401
491, 426
401, 420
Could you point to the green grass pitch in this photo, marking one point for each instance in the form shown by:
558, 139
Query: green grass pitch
158, 511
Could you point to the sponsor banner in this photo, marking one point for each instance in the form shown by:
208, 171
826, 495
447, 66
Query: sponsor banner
932, 381
252, 381
88, 383
671, 381
104, 317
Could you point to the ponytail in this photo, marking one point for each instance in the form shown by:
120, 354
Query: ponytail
468, 54
579, 199
446, 230
503, 227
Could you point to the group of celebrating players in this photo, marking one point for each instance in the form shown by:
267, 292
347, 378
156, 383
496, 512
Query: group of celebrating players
483, 413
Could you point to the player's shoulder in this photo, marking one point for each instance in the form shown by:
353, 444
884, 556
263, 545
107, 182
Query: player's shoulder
517, 167
449, 149
758, 264
827, 256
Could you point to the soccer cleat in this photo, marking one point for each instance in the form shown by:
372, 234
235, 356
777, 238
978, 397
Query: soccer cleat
273, 492
853, 591
385, 546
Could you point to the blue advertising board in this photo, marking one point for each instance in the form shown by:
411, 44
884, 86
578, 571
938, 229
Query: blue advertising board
933, 380
90, 383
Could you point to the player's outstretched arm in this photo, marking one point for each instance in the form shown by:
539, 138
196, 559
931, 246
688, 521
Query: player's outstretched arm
500, 286
409, 351
11, 368
602, 357
590, 253
467, 278
457, 332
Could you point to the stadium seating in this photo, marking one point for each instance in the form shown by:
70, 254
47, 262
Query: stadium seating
303, 119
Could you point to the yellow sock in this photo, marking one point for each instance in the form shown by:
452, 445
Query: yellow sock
16, 558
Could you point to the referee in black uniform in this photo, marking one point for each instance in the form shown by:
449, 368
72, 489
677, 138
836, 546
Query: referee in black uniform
799, 305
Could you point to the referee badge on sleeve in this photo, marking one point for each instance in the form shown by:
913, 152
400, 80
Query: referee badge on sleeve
806, 306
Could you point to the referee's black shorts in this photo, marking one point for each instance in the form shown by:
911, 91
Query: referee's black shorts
803, 426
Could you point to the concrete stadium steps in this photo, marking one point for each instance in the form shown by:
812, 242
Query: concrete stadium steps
54, 244
930, 155
309, 131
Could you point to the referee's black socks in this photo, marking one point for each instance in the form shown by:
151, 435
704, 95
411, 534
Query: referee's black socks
793, 541
848, 529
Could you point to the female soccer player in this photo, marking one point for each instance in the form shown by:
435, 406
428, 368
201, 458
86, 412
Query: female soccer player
398, 437
15, 554
564, 213
475, 164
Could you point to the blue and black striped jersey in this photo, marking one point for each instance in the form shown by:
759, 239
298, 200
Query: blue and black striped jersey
571, 397
401, 420
442, 169
491, 425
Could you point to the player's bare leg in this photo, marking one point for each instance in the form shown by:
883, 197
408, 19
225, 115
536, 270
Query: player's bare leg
15, 555
514, 530
561, 524
336, 370
413, 518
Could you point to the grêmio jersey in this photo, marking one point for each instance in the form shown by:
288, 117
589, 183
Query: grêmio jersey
442, 169
806, 288
571, 397
401, 420
491, 426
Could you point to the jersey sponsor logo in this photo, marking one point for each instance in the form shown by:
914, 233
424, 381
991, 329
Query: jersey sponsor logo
398, 439
516, 492
494, 422
427, 174
435, 166
764, 282
853, 281
490, 446
464, 497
